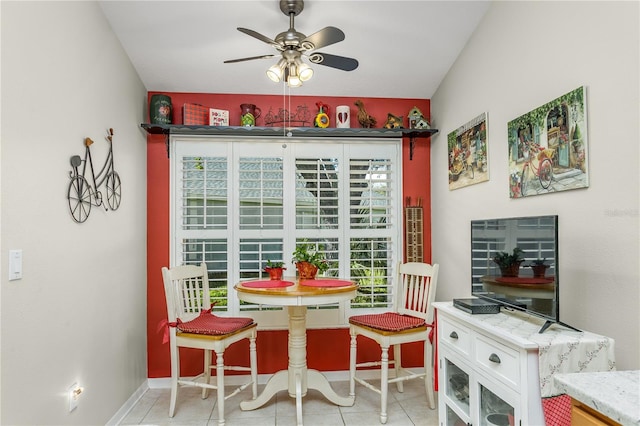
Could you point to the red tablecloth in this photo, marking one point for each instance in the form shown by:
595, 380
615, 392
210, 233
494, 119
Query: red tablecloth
326, 283
267, 284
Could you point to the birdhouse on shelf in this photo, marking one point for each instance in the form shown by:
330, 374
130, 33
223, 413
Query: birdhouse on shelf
417, 119
393, 122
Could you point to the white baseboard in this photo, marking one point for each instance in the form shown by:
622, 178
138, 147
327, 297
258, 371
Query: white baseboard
128, 405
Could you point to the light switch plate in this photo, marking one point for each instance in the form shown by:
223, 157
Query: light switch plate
15, 265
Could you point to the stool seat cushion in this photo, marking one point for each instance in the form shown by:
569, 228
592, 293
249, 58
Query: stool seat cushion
388, 321
209, 324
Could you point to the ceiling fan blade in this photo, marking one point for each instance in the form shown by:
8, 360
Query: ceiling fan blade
259, 36
333, 61
250, 58
325, 37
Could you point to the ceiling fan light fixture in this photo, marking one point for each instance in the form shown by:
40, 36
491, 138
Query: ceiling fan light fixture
293, 79
305, 71
276, 71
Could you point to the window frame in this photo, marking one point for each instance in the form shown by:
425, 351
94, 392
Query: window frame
234, 147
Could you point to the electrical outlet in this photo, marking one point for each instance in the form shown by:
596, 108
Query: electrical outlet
73, 395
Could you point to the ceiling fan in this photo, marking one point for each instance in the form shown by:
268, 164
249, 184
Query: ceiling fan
292, 45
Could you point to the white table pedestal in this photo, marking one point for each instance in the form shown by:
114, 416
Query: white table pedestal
297, 378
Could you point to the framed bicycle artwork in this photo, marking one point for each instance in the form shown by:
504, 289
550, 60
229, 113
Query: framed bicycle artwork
467, 148
548, 147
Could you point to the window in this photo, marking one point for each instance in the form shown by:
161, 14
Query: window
238, 202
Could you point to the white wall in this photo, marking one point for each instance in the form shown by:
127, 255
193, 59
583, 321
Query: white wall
523, 55
79, 313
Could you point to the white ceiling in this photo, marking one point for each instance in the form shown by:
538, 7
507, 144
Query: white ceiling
404, 47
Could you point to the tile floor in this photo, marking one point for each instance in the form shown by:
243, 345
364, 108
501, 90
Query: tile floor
406, 409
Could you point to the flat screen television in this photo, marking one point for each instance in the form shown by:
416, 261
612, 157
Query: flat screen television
537, 238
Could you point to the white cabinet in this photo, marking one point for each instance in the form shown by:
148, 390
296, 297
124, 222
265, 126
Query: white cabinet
486, 376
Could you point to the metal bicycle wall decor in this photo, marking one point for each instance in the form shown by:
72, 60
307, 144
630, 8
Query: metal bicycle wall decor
82, 194
302, 117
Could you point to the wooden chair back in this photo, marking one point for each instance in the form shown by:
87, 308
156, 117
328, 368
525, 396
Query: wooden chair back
186, 289
416, 289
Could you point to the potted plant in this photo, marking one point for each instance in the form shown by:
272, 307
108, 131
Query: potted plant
509, 263
539, 267
274, 269
308, 261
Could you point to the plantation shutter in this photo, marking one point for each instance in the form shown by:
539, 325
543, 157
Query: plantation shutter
374, 223
260, 207
239, 202
317, 193
201, 219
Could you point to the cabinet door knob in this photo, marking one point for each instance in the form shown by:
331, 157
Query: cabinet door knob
494, 358
453, 335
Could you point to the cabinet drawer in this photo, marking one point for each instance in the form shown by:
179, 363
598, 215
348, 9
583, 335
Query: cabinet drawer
500, 361
455, 335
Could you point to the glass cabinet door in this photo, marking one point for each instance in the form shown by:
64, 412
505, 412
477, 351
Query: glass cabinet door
453, 419
494, 411
457, 387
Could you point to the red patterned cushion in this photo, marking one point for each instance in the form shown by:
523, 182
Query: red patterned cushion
557, 410
209, 324
389, 321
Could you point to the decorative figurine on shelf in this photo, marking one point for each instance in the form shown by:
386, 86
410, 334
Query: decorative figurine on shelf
366, 121
417, 120
393, 122
160, 109
343, 117
249, 115
322, 118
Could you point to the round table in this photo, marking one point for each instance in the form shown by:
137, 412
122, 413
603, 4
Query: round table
296, 296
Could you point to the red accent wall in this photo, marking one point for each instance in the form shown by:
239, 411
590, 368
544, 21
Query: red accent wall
327, 349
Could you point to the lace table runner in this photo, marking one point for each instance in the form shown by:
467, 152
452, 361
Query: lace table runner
560, 350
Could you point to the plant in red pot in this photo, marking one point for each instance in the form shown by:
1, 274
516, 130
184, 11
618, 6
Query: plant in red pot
309, 261
509, 263
275, 270
539, 267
